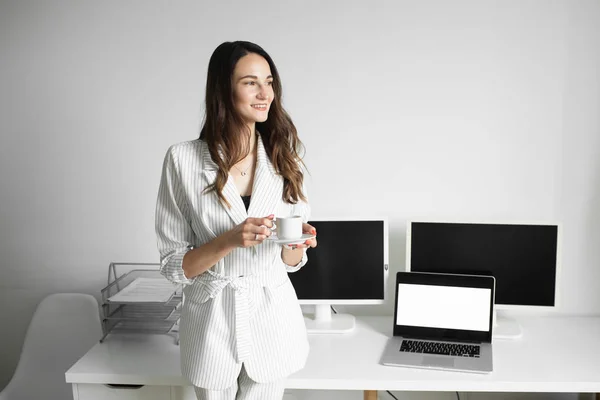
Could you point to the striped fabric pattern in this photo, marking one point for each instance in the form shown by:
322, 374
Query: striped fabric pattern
244, 309
245, 389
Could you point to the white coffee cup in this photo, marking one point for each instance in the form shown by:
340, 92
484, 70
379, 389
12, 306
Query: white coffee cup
289, 227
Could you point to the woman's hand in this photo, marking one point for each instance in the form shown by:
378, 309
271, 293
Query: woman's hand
252, 231
291, 254
306, 229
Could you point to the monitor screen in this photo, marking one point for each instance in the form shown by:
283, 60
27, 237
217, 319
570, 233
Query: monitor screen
348, 266
522, 257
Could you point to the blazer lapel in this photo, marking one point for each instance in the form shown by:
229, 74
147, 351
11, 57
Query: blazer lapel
237, 211
267, 188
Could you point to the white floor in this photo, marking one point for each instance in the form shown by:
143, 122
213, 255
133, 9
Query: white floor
382, 395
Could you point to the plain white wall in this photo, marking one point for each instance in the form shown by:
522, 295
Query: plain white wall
463, 109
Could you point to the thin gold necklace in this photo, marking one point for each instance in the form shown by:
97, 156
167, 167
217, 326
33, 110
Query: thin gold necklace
244, 172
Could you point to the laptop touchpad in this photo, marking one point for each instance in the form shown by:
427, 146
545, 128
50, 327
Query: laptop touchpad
438, 361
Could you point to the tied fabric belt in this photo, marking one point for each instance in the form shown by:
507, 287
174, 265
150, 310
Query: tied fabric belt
214, 283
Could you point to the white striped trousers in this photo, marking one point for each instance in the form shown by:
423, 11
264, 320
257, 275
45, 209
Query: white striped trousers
244, 389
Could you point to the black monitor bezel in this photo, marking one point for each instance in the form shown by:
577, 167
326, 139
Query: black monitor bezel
374, 300
499, 305
427, 278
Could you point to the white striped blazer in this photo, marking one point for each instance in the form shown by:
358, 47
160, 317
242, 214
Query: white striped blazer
243, 309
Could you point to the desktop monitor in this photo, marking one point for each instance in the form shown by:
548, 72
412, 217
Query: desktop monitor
349, 266
523, 257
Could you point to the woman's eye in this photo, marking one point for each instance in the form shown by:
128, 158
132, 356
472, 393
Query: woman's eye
270, 83
251, 83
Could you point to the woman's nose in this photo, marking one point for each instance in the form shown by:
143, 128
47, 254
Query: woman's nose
263, 93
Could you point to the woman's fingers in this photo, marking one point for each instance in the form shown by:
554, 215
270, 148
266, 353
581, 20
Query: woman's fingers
260, 237
309, 229
266, 221
309, 243
256, 230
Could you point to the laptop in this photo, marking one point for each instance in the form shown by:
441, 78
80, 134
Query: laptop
442, 321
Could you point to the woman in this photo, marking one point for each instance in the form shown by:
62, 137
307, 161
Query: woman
241, 329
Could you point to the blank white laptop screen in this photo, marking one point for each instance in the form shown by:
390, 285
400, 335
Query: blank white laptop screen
446, 307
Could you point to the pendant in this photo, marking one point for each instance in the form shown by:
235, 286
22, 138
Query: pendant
243, 174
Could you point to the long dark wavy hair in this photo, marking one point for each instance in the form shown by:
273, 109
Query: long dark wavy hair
223, 128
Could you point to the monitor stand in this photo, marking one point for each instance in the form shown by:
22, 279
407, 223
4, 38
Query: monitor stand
324, 321
506, 328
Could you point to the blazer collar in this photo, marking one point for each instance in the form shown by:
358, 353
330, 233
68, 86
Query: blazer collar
267, 187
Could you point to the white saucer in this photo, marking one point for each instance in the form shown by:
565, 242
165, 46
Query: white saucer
299, 240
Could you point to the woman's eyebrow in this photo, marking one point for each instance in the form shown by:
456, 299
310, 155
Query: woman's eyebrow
253, 77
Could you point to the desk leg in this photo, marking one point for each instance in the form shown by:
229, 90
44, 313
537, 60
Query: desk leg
372, 395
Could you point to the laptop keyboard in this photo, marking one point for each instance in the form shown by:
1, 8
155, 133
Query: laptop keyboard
448, 349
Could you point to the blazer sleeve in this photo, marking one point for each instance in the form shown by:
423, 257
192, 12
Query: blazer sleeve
173, 231
301, 208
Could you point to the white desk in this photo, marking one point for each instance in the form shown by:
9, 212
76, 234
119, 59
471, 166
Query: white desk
555, 354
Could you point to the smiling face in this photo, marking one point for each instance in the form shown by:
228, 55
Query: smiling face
252, 85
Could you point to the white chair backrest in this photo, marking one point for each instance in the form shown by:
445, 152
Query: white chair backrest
63, 328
